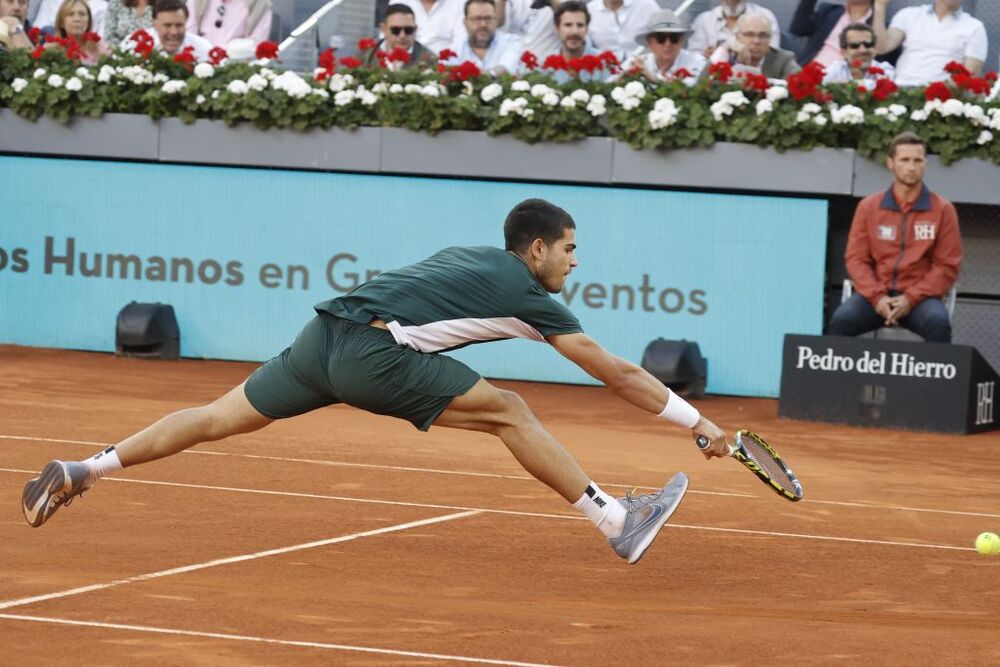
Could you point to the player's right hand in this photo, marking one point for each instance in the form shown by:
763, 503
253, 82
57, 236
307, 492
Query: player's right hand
718, 446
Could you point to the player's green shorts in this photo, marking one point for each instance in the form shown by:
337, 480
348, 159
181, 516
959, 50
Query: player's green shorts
334, 360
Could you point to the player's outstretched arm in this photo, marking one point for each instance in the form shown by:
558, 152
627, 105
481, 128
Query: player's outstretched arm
635, 385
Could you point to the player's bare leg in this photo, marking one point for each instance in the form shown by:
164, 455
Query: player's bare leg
630, 523
59, 482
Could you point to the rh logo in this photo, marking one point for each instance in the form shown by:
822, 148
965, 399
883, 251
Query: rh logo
984, 402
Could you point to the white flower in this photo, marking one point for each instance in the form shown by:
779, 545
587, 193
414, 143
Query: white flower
951, 107
55, 81
540, 90
630, 103
395, 89
84, 73
319, 92
430, 90
104, 76
18, 85
528, 113
719, 110
40, 73
919, 115
820, 120
618, 94
811, 108
172, 87
380, 88
975, 113
491, 92
776, 93
734, 98
343, 98
848, 115
985, 137
199, 100
412, 88
291, 83
802, 117
550, 99
204, 70
764, 106
520, 86
882, 111
897, 109
238, 87
995, 122
215, 94
567, 103
663, 114
467, 89
338, 82
597, 105
259, 83
635, 89
366, 97
580, 95
160, 78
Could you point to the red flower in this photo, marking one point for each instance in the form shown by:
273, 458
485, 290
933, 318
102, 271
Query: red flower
186, 57
91, 37
753, 81
938, 90
884, 89
73, 51
34, 34
441, 67
991, 77
447, 54
813, 72
861, 90
350, 62
143, 42
800, 87
529, 60
682, 74
855, 63
367, 44
39, 50
217, 55
589, 63
467, 70
328, 59
267, 50
876, 71
720, 72
322, 75
955, 67
609, 58
399, 55
555, 61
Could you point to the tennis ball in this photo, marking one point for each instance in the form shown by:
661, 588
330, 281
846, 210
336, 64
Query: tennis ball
988, 544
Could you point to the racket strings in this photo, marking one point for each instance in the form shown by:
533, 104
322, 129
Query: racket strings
766, 461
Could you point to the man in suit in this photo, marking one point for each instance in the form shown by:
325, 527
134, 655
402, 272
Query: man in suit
399, 30
751, 50
823, 24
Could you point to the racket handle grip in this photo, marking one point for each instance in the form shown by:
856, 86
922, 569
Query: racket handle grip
702, 442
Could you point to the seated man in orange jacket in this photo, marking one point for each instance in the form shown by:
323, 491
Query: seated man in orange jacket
903, 253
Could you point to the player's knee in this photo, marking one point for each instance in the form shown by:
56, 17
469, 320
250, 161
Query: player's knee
514, 411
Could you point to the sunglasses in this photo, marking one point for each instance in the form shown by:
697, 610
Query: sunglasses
858, 45
408, 29
662, 37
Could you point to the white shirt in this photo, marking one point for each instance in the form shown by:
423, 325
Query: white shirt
535, 27
443, 26
201, 45
840, 72
616, 32
505, 51
709, 28
48, 9
692, 61
930, 43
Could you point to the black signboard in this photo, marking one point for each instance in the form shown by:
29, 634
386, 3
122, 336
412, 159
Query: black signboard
867, 382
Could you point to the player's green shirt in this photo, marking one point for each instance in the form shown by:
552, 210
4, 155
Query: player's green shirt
457, 297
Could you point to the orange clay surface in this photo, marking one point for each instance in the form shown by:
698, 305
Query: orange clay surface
875, 566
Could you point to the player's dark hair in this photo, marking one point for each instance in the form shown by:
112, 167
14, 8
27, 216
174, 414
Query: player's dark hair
465, 10
535, 219
906, 139
397, 8
570, 6
855, 27
169, 6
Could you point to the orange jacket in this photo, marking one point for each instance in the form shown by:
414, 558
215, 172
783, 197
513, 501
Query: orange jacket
917, 253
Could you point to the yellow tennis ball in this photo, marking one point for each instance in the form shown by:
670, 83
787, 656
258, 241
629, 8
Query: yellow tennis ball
988, 544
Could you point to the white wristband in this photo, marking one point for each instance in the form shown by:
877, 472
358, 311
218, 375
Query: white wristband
680, 411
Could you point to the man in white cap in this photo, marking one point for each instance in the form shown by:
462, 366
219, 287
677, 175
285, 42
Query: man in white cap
664, 55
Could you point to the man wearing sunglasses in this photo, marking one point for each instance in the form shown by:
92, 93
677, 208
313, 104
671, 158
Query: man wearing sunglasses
858, 64
399, 30
751, 50
824, 25
664, 54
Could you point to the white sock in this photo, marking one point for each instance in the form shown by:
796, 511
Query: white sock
606, 512
102, 463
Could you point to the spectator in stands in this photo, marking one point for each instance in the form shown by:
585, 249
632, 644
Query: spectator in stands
439, 22
717, 27
494, 52
824, 25
124, 17
572, 21
904, 251
614, 24
932, 35
170, 33
664, 37
858, 63
532, 21
74, 20
751, 49
399, 28
222, 21
45, 17
13, 14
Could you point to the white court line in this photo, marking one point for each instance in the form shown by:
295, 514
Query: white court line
864, 505
484, 510
233, 559
267, 640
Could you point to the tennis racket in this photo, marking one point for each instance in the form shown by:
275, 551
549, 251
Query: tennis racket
761, 459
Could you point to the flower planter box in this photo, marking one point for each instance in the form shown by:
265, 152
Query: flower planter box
213, 142
478, 155
737, 167
117, 136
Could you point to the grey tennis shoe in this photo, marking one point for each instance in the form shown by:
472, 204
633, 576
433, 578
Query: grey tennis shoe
58, 484
645, 516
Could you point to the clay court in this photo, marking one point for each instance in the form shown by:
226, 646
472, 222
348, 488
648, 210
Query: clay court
344, 538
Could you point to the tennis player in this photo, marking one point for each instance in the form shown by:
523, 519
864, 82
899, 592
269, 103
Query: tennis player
377, 348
